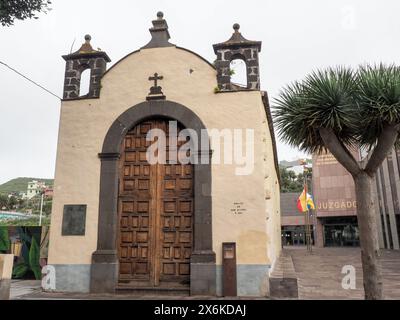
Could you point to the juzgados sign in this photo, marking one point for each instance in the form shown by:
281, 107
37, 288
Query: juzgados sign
336, 205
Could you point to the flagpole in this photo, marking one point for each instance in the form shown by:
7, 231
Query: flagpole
307, 215
308, 211
309, 219
305, 202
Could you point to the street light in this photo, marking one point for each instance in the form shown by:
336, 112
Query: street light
41, 207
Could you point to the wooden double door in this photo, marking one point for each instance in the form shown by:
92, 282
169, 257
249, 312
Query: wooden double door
155, 214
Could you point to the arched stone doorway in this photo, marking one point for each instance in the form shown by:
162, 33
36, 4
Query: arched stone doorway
105, 268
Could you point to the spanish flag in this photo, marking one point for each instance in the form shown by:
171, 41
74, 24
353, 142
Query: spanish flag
305, 201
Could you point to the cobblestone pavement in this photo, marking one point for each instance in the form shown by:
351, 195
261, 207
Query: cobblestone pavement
320, 272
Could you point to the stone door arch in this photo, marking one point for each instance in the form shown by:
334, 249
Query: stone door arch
105, 264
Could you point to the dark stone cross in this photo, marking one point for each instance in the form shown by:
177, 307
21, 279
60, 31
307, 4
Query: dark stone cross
155, 91
155, 78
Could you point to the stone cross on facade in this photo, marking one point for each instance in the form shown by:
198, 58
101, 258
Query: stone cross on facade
155, 78
155, 90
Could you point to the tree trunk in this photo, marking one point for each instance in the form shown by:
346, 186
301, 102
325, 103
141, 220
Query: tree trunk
368, 229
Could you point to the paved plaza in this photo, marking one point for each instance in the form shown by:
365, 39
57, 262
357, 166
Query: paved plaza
318, 273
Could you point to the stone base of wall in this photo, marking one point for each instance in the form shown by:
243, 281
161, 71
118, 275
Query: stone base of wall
72, 278
252, 280
202, 279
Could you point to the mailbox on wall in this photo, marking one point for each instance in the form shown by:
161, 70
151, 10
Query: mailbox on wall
229, 285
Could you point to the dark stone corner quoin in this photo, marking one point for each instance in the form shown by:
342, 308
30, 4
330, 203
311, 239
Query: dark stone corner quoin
105, 258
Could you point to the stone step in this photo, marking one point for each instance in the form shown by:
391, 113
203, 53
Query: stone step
153, 291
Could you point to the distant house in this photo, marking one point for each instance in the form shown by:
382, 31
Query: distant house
296, 166
34, 188
297, 169
48, 192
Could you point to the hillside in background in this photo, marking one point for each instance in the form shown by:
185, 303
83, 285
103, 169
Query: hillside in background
21, 184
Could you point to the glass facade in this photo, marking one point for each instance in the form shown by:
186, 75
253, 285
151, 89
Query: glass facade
295, 235
341, 232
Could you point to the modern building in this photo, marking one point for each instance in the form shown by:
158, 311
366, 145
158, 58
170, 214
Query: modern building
334, 219
335, 202
334, 195
387, 197
293, 222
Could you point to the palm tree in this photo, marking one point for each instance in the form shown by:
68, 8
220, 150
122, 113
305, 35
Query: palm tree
338, 109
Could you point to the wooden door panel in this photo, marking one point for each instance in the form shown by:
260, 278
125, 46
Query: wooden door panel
156, 214
135, 208
176, 217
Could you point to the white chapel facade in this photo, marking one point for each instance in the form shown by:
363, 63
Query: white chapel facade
121, 223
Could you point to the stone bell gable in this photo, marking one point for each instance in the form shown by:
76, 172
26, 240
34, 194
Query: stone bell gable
76, 63
237, 47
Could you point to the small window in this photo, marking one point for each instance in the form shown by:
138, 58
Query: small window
238, 72
85, 83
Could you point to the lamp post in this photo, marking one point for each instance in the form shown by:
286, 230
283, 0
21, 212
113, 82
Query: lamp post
41, 208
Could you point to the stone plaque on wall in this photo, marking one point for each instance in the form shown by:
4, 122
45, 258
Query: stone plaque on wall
74, 220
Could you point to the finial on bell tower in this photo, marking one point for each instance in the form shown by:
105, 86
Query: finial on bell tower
159, 33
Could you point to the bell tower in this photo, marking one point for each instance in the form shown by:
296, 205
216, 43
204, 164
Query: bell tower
76, 63
237, 47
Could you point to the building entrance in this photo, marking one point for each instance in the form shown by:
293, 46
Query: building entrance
341, 232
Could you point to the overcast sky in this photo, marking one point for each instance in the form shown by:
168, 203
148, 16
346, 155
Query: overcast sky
297, 36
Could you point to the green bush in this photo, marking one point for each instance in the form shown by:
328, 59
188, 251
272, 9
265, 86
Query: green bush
30, 260
4, 240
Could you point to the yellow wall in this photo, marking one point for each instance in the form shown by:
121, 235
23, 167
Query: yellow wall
84, 124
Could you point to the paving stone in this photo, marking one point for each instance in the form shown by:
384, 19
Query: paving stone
319, 273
